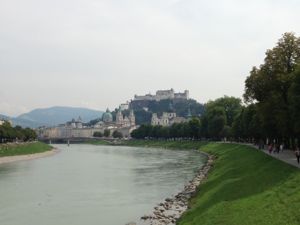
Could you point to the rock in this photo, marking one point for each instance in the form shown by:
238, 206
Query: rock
145, 217
131, 223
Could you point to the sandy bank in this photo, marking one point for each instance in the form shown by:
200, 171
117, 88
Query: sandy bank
9, 159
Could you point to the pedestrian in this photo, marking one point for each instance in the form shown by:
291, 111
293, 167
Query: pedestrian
281, 147
277, 148
297, 153
270, 147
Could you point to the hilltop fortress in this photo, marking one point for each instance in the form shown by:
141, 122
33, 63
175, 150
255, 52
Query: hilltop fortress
162, 95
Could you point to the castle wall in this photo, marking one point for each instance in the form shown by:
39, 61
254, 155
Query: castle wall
162, 95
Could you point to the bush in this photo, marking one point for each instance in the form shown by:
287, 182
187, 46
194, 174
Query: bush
117, 134
106, 133
98, 134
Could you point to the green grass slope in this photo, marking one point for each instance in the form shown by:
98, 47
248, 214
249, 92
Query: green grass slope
246, 187
23, 149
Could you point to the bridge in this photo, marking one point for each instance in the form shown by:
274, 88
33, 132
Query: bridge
74, 140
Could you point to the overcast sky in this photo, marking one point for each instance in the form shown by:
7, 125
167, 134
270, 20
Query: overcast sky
99, 53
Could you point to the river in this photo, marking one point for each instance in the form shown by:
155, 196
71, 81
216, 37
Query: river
92, 185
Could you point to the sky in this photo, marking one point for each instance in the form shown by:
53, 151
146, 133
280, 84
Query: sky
100, 53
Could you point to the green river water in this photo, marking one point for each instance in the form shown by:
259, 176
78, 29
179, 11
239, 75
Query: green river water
92, 185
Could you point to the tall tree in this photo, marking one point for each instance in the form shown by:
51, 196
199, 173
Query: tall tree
231, 106
269, 86
294, 98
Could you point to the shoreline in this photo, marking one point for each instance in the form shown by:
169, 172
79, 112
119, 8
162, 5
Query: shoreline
17, 158
171, 209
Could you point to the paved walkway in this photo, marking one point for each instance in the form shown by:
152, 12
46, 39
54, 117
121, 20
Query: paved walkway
287, 156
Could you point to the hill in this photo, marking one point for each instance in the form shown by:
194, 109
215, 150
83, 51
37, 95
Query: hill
143, 109
53, 116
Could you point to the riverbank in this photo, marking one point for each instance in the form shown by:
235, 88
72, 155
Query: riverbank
24, 151
169, 211
245, 186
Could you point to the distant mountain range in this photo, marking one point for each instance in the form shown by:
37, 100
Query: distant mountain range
53, 116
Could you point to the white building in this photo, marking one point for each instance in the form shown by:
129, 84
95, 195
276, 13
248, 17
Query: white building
167, 119
75, 123
124, 121
2, 121
124, 106
163, 95
75, 128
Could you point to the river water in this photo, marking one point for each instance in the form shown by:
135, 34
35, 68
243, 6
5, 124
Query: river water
92, 185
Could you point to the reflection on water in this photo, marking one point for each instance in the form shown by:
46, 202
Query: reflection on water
93, 185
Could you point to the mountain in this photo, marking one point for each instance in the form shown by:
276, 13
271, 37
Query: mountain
4, 117
53, 116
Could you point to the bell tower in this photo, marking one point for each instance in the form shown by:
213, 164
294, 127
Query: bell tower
119, 118
132, 118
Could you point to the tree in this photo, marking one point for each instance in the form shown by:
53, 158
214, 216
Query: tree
294, 99
231, 105
194, 128
269, 86
117, 134
9, 133
142, 116
216, 121
219, 117
106, 133
247, 124
98, 134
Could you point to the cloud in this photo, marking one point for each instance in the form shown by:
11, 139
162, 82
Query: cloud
65, 52
9, 109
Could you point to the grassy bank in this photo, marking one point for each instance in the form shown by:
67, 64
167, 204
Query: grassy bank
23, 149
245, 187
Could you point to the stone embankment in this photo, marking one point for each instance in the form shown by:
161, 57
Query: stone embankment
169, 211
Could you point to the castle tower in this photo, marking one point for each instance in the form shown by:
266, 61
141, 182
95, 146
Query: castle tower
132, 118
79, 123
126, 122
119, 118
154, 119
187, 93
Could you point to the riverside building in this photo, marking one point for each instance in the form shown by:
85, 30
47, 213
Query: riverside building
77, 129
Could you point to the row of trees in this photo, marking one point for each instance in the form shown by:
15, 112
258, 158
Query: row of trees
271, 108
216, 122
272, 90
10, 134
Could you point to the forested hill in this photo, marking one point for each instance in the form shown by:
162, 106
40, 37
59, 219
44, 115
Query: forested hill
143, 109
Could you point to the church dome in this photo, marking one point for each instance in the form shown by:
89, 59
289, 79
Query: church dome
107, 117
